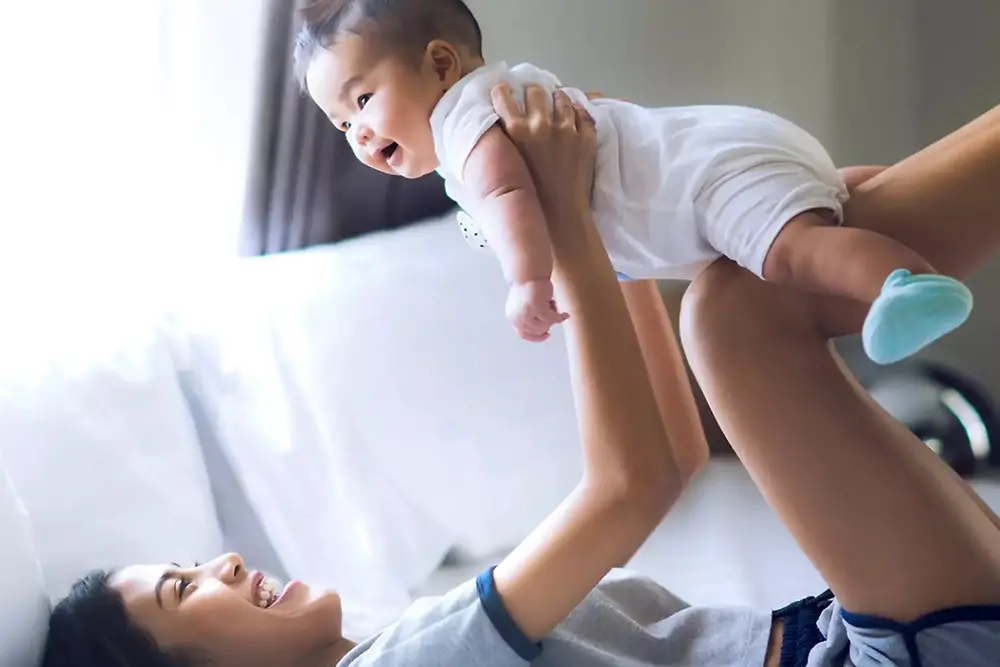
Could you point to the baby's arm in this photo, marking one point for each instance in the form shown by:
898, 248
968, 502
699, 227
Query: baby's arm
509, 213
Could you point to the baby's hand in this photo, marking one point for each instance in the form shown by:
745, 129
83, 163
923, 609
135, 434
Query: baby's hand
532, 310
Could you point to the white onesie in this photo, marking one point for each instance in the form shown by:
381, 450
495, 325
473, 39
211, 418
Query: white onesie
675, 187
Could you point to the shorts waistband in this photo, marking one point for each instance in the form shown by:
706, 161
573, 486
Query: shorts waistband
800, 632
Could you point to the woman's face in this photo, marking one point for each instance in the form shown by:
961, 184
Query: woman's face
224, 610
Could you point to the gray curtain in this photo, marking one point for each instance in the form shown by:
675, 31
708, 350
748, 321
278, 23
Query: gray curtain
304, 186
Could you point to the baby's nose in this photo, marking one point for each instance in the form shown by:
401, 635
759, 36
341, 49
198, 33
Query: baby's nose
362, 135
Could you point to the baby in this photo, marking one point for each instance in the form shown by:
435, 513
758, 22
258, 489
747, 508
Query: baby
676, 188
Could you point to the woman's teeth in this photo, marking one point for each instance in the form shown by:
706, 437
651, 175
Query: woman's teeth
267, 593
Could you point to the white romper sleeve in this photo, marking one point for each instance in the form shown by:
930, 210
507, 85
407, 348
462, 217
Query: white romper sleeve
464, 114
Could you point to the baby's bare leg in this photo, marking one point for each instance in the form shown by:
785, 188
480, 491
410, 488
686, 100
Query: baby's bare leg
815, 254
910, 305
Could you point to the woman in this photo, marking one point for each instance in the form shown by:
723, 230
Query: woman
895, 533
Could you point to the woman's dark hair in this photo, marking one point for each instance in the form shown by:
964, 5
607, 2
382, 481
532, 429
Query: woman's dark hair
90, 628
399, 26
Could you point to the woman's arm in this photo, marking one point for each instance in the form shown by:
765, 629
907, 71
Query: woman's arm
661, 352
630, 477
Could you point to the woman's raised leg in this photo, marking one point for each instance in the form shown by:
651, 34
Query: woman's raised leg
891, 528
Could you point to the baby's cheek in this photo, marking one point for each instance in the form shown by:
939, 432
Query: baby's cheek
430, 146
422, 151
429, 158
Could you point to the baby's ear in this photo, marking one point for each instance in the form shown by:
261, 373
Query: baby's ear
446, 62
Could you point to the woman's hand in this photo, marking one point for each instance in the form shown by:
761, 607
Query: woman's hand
559, 146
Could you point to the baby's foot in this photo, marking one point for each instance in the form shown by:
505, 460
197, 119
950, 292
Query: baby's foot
911, 313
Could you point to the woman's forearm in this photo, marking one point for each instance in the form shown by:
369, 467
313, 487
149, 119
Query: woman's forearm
623, 435
668, 375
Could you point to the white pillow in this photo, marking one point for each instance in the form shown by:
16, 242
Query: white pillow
330, 514
24, 607
96, 434
378, 407
404, 334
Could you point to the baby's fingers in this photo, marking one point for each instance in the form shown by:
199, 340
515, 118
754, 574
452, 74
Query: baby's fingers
556, 316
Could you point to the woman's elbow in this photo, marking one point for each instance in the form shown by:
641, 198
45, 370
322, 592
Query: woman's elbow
675, 471
651, 491
655, 497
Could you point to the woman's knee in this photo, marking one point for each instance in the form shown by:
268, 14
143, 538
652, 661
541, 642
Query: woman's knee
712, 310
705, 298
718, 299
725, 305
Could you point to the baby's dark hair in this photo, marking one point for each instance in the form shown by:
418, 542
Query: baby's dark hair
403, 27
90, 627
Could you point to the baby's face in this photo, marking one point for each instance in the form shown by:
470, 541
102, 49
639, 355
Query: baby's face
383, 104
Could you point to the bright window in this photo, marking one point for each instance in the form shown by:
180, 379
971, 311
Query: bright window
124, 134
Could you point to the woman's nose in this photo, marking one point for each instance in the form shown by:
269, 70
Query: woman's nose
229, 568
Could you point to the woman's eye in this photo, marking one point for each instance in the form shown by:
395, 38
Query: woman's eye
182, 588
363, 100
345, 126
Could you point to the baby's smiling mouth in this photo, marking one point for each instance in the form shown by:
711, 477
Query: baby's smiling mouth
389, 150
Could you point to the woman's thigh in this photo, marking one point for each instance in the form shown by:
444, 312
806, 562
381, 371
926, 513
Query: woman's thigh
892, 529
943, 202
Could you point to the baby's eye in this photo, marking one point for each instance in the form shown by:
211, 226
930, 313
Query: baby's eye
345, 126
363, 100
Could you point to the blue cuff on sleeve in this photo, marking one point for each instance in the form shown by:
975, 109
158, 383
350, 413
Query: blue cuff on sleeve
504, 624
622, 277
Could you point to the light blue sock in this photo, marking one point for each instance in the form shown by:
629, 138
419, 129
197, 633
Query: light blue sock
911, 313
